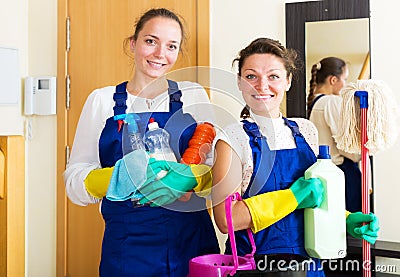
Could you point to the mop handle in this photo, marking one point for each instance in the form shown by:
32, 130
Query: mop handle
366, 247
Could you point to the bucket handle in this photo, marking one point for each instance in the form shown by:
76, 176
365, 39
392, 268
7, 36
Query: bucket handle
228, 212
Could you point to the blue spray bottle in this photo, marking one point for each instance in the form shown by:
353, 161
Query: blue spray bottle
131, 137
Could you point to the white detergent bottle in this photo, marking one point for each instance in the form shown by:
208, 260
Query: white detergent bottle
325, 226
157, 142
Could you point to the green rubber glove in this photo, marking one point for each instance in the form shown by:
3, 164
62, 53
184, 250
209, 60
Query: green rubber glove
180, 178
355, 227
308, 192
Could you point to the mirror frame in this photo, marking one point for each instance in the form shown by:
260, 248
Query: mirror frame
297, 14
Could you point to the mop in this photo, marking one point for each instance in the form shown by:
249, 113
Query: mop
367, 125
382, 117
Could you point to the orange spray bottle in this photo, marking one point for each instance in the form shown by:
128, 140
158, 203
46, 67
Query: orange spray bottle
199, 146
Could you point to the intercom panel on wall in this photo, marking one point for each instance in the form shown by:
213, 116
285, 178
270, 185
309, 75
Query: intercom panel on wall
40, 95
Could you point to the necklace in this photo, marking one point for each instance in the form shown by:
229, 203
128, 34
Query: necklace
150, 103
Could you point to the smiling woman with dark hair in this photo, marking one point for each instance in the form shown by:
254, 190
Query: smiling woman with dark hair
264, 157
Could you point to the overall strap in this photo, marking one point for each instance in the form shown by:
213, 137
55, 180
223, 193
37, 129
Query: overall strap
120, 97
255, 137
175, 94
298, 137
312, 105
252, 129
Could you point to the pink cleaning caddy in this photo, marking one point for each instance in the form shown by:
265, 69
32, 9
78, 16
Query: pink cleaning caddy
220, 265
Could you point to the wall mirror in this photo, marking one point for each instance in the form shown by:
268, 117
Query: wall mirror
346, 39
317, 29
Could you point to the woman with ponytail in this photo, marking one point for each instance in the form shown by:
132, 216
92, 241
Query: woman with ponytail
328, 78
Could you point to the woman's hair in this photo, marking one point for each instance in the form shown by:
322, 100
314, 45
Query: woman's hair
330, 66
289, 58
148, 15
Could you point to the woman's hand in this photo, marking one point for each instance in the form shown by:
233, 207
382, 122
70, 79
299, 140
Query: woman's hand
179, 179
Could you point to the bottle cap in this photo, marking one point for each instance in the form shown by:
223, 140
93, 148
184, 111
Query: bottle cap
324, 152
153, 124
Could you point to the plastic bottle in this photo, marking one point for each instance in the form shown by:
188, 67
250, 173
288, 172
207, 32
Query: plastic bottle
131, 137
199, 144
157, 142
325, 226
132, 140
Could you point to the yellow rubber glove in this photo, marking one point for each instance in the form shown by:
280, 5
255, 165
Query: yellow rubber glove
97, 181
268, 208
203, 176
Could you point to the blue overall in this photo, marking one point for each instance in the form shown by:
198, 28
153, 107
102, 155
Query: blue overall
144, 240
352, 176
277, 170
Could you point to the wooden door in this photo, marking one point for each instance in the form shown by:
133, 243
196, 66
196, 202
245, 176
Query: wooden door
12, 206
95, 59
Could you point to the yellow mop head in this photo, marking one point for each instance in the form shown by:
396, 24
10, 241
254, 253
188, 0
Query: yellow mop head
382, 118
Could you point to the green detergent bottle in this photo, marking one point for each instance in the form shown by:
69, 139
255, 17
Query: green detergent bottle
325, 226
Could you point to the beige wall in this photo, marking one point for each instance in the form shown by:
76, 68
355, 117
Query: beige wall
31, 27
41, 145
246, 22
13, 34
385, 60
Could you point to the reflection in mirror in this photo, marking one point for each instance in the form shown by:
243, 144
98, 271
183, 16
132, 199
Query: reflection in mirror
345, 39
298, 15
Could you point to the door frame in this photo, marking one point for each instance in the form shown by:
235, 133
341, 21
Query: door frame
203, 59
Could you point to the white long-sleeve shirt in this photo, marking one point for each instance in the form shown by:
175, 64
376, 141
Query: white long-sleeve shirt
98, 108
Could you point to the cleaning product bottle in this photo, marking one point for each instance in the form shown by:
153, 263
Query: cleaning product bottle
131, 137
157, 142
132, 140
199, 144
325, 226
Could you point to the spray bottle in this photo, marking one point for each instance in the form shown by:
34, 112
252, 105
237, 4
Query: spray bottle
157, 141
199, 147
199, 144
131, 137
325, 226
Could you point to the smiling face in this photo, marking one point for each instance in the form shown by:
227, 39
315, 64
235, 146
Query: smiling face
157, 47
263, 83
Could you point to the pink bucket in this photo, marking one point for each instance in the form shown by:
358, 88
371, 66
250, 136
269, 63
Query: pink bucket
220, 265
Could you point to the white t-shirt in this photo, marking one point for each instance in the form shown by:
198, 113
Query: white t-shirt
278, 134
98, 108
325, 116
